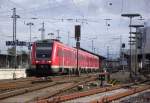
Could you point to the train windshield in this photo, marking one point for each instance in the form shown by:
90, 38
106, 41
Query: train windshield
43, 51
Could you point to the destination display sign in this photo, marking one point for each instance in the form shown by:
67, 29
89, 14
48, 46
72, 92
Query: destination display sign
17, 43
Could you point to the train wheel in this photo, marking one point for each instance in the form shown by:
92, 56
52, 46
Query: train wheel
71, 71
77, 72
80, 70
30, 72
74, 71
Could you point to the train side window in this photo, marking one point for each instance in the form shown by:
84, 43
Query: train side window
65, 54
59, 53
70, 53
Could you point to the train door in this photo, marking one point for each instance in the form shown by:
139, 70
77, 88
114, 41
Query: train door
63, 59
59, 58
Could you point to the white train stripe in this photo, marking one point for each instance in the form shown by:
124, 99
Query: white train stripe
53, 66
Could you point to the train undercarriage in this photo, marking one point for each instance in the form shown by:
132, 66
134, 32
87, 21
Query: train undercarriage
43, 71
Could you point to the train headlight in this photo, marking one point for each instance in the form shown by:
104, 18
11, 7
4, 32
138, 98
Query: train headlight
37, 61
49, 61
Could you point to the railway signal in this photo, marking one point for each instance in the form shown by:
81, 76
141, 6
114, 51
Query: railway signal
101, 78
77, 32
123, 45
77, 37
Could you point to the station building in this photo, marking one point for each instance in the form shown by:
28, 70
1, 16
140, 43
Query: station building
143, 51
7, 60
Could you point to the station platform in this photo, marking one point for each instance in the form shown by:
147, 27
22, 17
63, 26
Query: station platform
10, 73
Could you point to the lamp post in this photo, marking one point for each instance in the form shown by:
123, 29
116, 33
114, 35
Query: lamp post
68, 38
58, 37
136, 44
108, 53
130, 16
119, 38
120, 52
30, 24
15, 16
93, 43
42, 29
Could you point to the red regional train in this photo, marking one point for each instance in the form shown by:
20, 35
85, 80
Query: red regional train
50, 57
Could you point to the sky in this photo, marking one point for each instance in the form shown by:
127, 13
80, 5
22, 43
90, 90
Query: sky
63, 15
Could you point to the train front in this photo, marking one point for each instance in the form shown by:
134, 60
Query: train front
40, 58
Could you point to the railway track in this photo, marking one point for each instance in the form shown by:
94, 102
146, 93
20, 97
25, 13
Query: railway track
9, 85
43, 90
55, 88
20, 83
121, 94
98, 95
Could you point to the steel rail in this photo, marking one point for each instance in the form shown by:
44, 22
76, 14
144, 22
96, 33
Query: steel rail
76, 81
71, 96
78, 95
117, 96
25, 82
75, 84
20, 84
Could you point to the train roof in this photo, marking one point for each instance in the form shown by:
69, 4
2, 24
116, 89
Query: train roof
92, 53
48, 40
52, 40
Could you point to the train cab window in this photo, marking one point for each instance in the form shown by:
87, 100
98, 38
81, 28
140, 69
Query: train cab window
43, 44
43, 50
43, 54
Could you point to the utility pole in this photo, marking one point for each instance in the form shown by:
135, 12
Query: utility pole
30, 24
58, 37
94, 50
42, 31
136, 45
120, 46
107, 52
92, 46
121, 55
107, 63
130, 16
143, 49
68, 37
143, 40
14, 16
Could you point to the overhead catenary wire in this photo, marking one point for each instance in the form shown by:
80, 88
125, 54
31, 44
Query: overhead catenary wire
78, 10
64, 19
